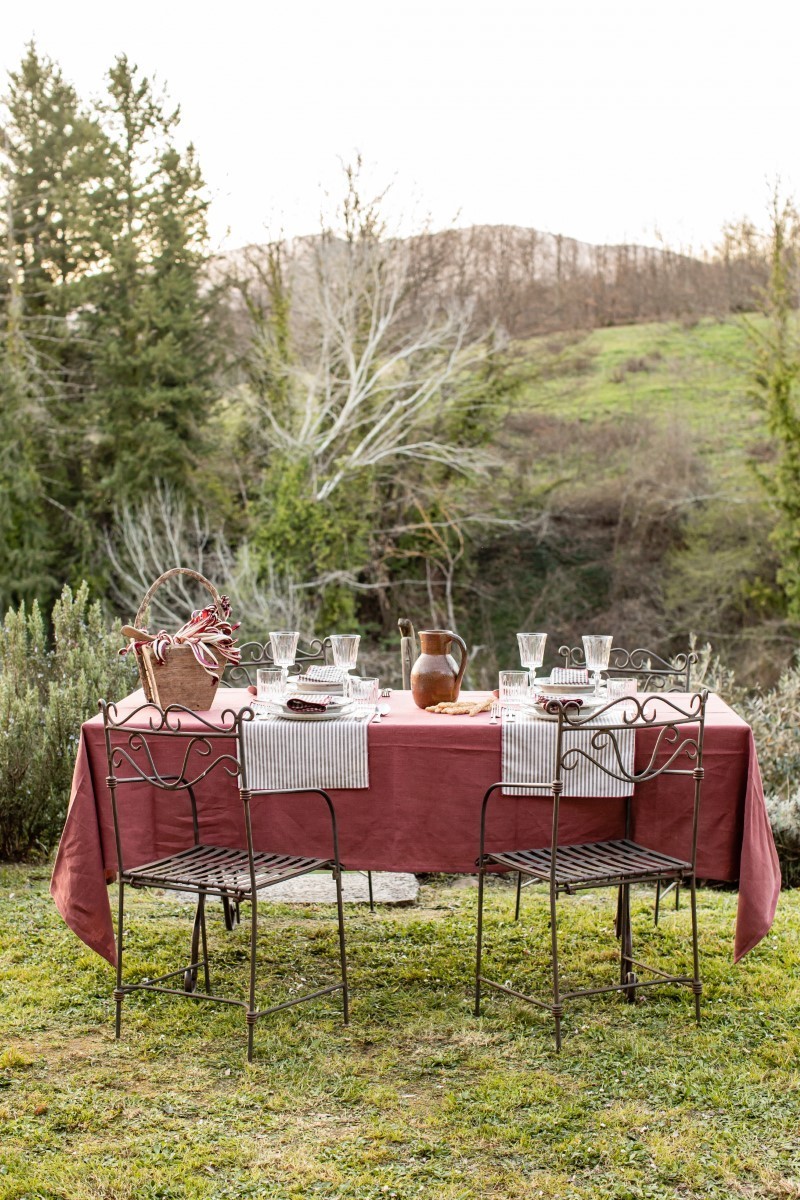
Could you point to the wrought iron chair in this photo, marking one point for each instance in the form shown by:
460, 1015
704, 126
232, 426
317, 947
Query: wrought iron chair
654, 674
678, 751
135, 741
259, 654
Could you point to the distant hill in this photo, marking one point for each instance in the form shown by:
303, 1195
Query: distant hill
529, 282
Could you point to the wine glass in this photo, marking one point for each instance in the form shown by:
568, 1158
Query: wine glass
531, 651
284, 649
344, 647
597, 651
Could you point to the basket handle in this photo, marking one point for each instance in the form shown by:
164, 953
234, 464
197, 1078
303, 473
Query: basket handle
168, 575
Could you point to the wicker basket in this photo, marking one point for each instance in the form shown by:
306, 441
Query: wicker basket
180, 679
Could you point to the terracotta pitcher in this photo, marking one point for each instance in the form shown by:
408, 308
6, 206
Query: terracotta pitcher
435, 678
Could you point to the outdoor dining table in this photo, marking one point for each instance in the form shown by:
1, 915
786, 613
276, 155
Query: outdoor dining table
421, 813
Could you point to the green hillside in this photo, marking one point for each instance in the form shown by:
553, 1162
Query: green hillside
632, 453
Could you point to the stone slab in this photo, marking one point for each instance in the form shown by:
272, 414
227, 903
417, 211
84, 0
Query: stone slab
388, 887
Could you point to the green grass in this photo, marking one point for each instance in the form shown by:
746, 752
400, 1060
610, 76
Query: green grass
417, 1097
694, 379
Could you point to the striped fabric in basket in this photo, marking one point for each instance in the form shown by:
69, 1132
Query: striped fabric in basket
306, 754
529, 753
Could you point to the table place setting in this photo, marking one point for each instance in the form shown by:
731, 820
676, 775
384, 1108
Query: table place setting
311, 729
533, 712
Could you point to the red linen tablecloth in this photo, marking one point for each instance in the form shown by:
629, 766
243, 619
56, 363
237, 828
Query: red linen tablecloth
421, 812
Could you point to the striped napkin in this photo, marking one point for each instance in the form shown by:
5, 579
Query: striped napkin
529, 753
569, 675
324, 675
306, 754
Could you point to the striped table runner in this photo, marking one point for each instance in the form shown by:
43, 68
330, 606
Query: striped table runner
529, 753
306, 754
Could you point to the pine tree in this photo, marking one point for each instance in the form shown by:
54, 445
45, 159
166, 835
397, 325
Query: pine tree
52, 158
153, 353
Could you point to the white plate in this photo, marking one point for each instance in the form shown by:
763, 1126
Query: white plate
288, 714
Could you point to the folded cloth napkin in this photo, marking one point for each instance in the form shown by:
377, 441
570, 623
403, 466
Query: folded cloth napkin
569, 675
304, 704
324, 675
576, 701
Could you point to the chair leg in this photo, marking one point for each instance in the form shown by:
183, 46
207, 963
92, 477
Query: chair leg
677, 896
204, 936
190, 975
557, 1007
697, 986
252, 1016
481, 873
371, 897
658, 901
342, 954
626, 973
519, 895
119, 995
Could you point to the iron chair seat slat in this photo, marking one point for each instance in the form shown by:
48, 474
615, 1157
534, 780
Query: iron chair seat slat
220, 871
586, 864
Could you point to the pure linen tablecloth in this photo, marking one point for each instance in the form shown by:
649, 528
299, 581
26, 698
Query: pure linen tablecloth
421, 812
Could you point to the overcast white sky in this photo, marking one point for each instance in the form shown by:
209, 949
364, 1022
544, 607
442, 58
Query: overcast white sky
600, 119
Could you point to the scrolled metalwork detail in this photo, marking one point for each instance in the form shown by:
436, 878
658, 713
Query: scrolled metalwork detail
259, 654
656, 672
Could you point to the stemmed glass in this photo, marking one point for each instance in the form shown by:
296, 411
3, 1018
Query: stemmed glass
597, 651
344, 647
531, 651
284, 651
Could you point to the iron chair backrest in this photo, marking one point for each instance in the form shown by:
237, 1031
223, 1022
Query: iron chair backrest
259, 654
655, 674
677, 751
136, 738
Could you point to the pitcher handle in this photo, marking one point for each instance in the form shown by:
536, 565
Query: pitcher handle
464, 659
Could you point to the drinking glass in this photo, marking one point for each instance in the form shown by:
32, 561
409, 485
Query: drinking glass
284, 649
513, 688
344, 647
531, 651
597, 649
269, 683
617, 688
364, 693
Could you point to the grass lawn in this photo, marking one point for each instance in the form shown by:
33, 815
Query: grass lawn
694, 380
416, 1097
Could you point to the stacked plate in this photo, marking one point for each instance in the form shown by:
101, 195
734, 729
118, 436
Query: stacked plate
279, 708
565, 691
315, 687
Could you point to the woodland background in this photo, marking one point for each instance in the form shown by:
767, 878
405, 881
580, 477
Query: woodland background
488, 429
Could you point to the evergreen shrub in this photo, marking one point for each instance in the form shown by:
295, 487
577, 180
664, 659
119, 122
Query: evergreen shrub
49, 685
